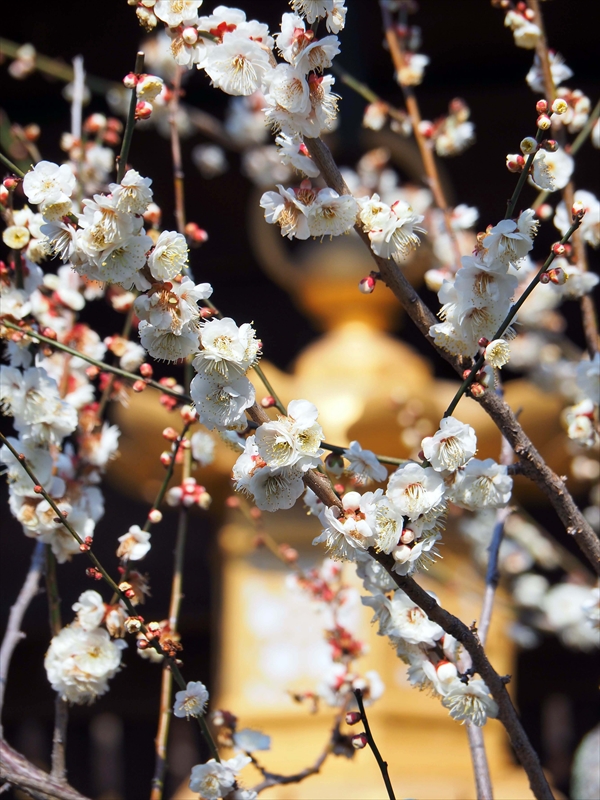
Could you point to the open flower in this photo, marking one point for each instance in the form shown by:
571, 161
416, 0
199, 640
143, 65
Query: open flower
451, 447
134, 544
215, 779
191, 701
415, 490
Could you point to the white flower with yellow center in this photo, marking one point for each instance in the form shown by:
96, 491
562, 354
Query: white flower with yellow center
469, 702
16, 237
191, 702
396, 238
312, 9
49, 183
400, 618
174, 12
510, 241
292, 440
332, 214
289, 210
238, 65
228, 351
451, 447
169, 257
274, 489
483, 484
135, 544
80, 663
551, 171
364, 464
215, 779
497, 353
90, 610
347, 530
169, 346
415, 490
288, 88
221, 403
133, 195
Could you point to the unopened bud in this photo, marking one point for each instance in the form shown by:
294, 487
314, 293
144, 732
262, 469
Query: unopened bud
255, 513
559, 106
543, 122
165, 458
170, 434
367, 285
407, 536
188, 414
84, 547
268, 401
133, 625
139, 386
10, 183
551, 145
130, 80
359, 741
426, 128
189, 35
528, 145
544, 278
142, 644
483, 342
339, 488
578, 209
558, 249
32, 132
92, 372
541, 106
37, 489
155, 516
143, 110
146, 370
557, 276
477, 390
352, 717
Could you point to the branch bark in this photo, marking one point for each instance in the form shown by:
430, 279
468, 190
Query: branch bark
17, 771
535, 467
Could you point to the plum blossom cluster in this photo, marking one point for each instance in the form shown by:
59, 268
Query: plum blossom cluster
85, 655
476, 301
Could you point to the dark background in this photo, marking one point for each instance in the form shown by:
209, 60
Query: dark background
473, 57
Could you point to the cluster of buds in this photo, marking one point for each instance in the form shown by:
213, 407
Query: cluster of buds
147, 89
106, 130
146, 16
483, 378
520, 19
195, 234
343, 644
451, 134
188, 494
134, 586
167, 400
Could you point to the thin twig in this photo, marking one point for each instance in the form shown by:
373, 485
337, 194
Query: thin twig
13, 633
12, 167
178, 175
168, 475
414, 112
61, 715
533, 464
77, 101
153, 641
483, 783
380, 762
130, 124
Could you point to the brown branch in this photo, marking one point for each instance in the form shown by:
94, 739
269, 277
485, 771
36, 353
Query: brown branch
483, 784
13, 634
496, 684
17, 771
542, 53
534, 466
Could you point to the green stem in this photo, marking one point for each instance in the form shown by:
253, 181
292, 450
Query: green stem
278, 404
507, 320
382, 764
12, 167
122, 596
130, 124
169, 474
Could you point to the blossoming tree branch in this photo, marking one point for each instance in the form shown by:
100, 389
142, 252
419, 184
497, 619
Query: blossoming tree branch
89, 229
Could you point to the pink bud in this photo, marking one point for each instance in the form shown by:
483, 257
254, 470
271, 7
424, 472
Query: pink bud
3, 194
143, 110
551, 145
483, 342
130, 80
544, 278
578, 209
558, 249
541, 106
10, 183
165, 458
477, 390
146, 370
352, 717
359, 741
545, 211
268, 401
154, 515
367, 285
189, 35
426, 128
188, 414
170, 434
139, 386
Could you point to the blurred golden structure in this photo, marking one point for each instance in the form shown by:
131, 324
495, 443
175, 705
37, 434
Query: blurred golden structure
368, 386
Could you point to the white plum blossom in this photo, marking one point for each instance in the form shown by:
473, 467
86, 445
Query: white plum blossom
221, 402
331, 214
293, 440
588, 378
135, 544
250, 740
391, 229
510, 241
321, 116
483, 484
175, 12
238, 65
364, 464
497, 353
276, 488
203, 448
90, 610
169, 256
469, 702
347, 530
289, 209
39, 459
415, 490
312, 9
191, 701
400, 618
451, 447
292, 151
227, 351
564, 607
560, 72
166, 344
551, 171
80, 663
172, 305
215, 779
133, 195
49, 184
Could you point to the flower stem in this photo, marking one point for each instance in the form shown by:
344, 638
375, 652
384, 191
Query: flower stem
168, 475
512, 203
12, 167
130, 124
382, 764
479, 362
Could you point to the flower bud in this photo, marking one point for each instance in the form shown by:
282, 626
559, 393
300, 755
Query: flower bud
32, 132
359, 741
139, 386
551, 145
401, 554
143, 110
170, 434
514, 162
268, 401
4, 194
557, 276
165, 458
528, 145
477, 390
543, 122
578, 209
558, 249
352, 717
132, 625
189, 35
146, 370
10, 183
541, 106
129, 81
407, 536
155, 516
559, 106
544, 212
483, 342
544, 278
425, 128
367, 285
446, 670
